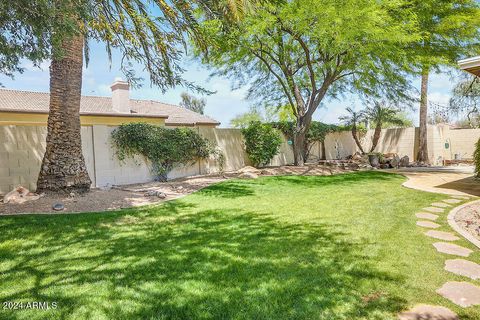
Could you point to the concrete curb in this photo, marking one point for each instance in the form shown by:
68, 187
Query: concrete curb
457, 228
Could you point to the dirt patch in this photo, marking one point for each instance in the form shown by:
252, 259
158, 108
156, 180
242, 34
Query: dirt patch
468, 218
121, 197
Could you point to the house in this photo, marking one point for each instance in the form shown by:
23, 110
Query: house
471, 65
31, 108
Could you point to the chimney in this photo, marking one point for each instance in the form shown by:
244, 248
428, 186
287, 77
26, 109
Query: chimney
120, 96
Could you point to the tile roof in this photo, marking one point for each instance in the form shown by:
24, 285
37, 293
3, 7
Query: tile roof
38, 102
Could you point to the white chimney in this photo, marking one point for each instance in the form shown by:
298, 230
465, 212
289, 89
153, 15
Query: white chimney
120, 96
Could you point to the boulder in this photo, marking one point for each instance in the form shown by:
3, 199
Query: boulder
20, 195
249, 169
248, 175
58, 207
161, 195
395, 161
404, 162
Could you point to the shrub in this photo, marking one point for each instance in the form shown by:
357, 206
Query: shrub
163, 148
262, 142
476, 158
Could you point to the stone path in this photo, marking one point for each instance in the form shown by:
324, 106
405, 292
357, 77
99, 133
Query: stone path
428, 224
434, 209
463, 268
453, 249
427, 312
463, 294
442, 235
440, 204
452, 201
428, 216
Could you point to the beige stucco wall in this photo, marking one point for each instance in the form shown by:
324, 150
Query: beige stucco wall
21, 153
22, 148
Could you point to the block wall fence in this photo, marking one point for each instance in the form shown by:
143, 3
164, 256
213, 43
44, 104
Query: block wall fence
22, 149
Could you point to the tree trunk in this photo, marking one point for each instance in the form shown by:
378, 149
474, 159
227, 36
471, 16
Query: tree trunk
376, 137
63, 166
324, 151
354, 135
299, 137
422, 155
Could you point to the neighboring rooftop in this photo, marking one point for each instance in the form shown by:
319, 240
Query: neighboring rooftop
471, 65
38, 102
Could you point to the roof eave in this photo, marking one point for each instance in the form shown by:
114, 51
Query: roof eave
126, 115
471, 65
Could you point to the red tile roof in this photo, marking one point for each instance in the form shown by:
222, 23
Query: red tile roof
38, 102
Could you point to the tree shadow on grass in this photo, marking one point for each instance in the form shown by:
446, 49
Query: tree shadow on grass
201, 264
228, 189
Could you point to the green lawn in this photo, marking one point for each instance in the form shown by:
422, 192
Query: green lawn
336, 247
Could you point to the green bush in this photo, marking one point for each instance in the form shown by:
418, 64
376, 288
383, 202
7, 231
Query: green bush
262, 142
476, 158
163, 148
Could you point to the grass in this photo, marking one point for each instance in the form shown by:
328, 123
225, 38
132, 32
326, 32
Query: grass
336, 247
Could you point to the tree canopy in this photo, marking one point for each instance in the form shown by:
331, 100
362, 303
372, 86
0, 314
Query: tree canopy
152, 34
298, 53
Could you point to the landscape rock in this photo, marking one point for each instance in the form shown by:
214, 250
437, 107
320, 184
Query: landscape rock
249, 169
404, 162
58, 207
20, 195
394, 163
248, 175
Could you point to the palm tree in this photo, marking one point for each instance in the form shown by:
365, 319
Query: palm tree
352, 120
379, 115
128, 25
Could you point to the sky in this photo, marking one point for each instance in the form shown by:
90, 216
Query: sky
223, 105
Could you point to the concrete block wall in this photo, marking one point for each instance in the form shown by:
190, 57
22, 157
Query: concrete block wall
21, 154
22, 149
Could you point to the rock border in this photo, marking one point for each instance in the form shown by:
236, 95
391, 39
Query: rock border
457, 228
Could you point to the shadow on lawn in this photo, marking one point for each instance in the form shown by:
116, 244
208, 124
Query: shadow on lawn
228, 189
156, 264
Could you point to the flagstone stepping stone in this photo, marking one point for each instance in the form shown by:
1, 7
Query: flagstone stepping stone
452, 201
440, 204
424, 311
433, 209
428, 216
464, 268
442, 235
450, 248
428, 224
463, 294
461, 197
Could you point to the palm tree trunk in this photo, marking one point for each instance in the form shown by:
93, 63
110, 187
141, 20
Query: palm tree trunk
422, 155
354, 135
63, 166
376, 137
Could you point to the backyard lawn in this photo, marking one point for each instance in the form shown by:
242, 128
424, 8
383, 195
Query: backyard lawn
333, 247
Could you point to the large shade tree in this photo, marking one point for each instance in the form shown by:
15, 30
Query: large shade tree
449, 30
148, 33
299, 53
